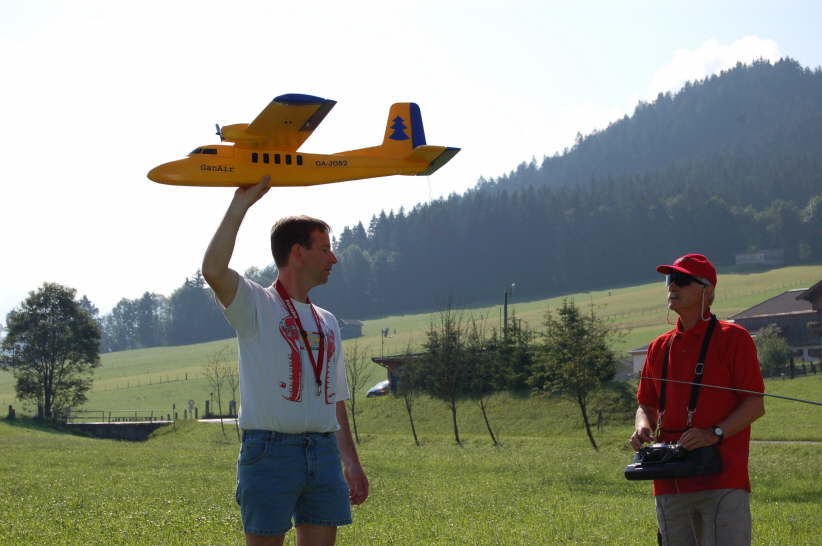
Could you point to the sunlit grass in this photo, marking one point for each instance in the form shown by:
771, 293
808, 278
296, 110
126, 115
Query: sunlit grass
544, 485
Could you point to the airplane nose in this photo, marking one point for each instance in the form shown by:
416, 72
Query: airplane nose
159, 174
167, 173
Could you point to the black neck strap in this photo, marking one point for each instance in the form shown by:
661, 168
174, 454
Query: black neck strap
698, 373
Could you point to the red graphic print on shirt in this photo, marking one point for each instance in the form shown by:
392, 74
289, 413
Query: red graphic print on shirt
291, 334
330, 368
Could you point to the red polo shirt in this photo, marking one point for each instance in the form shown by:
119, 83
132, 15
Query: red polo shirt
731, 362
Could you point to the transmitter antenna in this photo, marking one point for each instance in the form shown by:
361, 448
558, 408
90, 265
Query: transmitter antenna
733, 389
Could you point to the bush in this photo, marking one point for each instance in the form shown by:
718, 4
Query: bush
774, 352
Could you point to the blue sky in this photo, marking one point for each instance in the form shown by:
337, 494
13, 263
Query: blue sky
95, 94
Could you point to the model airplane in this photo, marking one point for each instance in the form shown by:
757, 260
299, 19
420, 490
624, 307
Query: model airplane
269, 144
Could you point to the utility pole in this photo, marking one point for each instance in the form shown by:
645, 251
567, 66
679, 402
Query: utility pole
383, 335
509, 291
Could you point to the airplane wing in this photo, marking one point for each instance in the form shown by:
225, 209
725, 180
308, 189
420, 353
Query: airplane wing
288, 120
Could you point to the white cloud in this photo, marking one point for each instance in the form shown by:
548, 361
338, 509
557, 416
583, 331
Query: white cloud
711, 57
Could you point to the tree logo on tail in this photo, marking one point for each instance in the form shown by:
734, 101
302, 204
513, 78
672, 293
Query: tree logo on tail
399, 129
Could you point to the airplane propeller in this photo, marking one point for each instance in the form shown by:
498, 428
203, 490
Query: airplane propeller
219, 132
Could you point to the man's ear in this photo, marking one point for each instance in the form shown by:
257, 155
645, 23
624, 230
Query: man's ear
296, 253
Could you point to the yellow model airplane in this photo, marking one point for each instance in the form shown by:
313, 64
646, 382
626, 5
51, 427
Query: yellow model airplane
269, 144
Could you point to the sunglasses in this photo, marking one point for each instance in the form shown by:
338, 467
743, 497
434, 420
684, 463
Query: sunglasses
681, 279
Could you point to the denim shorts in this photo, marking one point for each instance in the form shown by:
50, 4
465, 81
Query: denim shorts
290, 477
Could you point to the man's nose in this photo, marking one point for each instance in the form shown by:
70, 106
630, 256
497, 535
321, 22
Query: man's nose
333, 258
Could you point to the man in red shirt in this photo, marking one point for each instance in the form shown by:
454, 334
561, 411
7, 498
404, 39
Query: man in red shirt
712, 509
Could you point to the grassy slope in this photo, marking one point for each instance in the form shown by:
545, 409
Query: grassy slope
156, 378
543, 486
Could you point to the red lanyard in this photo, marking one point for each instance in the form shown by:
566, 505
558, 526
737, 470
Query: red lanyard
316, 365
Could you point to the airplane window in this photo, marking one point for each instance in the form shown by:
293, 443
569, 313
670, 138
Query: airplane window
211, 151
197, 151
265, 158
299, 160
277, 159
253, 157
288, 159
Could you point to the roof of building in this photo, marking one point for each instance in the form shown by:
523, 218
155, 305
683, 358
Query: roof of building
786, 303
351, 322
393, 360
810, 293
639, 350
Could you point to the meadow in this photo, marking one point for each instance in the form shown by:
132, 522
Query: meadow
159, 377
544, 485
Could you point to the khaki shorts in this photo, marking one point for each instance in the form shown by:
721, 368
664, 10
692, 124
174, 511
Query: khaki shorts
705, 518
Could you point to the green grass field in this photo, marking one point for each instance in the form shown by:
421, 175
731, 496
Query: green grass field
154, 379
544, 485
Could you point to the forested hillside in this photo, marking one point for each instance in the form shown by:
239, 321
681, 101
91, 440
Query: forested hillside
751, 112
727, 165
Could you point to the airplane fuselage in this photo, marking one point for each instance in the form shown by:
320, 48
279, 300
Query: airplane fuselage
268, 146
221, 165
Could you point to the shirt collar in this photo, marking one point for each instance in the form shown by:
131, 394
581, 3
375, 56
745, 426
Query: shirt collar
699, 329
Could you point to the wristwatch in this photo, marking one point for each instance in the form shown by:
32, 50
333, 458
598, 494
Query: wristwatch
718, 432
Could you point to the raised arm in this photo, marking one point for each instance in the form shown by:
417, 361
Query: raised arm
222, 279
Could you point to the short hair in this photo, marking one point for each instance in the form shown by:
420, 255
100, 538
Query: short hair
293, 230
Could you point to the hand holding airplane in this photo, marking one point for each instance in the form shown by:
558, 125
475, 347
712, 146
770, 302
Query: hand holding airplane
268, 147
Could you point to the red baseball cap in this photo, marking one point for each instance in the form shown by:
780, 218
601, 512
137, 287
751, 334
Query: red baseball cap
695, 265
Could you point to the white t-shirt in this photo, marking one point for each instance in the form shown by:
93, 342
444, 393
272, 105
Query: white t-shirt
278, 389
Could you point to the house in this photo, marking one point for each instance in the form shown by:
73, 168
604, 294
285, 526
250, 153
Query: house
393, 366
350, 328
774, 256
637, 360
814, 296
794, 313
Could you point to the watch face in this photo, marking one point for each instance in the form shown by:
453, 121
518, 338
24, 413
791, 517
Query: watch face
718, 431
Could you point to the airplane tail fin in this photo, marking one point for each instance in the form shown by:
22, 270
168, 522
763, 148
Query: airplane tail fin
403, 133
405, 139
403, 130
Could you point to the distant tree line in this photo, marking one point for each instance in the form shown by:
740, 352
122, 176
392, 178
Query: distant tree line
551, 241
189, 315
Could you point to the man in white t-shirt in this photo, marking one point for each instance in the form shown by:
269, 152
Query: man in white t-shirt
298, 461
